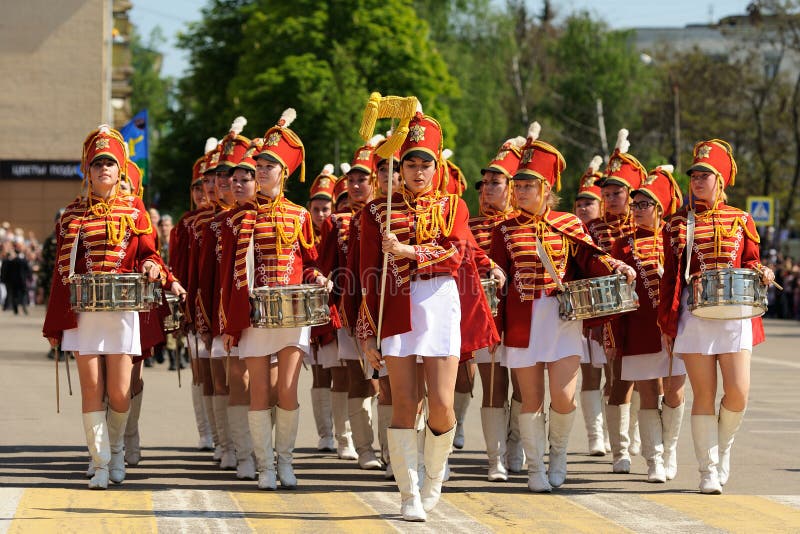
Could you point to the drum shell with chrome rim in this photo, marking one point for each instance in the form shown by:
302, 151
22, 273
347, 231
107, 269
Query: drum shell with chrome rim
596, 297
113, 292
289, 306
727, 294
490, 290
172, 322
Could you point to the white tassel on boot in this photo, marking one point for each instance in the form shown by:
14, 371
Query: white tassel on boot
652, 444
228, 458
437, 449
494, 424
242, 442
591, 406
116, 441
133, 452
560, 428
460, 406
384, 420
403, 451
321, 403
618, 419
729, 423
285, 436
531, 428
205, 440
95, 427
260, 422
635, 446
341, 425
706, 450
208, 408
360, 414
671, 419
515, 452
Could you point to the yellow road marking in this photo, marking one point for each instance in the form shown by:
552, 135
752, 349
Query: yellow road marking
309, 512
530, 513
83, 511
734, 513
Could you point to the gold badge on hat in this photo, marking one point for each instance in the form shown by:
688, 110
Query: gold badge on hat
704, 151
650, 179
417, 133
324, 182
363, 155
101, 143
274, 139
616, 164
527, 154
589, 181
229, 148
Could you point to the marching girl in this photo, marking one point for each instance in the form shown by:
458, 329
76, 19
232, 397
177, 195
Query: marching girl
534, 335
179, 245
503, 443
645, 361
102, 233
623, 174
588, 208
275, 247
708, 235
421, 315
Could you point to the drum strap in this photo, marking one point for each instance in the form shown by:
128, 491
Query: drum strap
249, 263
689, 243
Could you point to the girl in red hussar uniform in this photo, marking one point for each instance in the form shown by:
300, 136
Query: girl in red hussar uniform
722, 237
105, 232
645, 361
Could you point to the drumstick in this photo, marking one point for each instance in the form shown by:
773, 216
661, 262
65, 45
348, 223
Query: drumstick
69, 379
386, 229
58, 389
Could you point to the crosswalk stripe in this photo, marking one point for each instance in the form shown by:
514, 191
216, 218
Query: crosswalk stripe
530, 513
84, 511
787, 500
444, 518
734, 513
9, 500
196, 510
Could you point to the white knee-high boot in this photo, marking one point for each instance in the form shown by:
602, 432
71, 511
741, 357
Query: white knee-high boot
403, 451
606, 438
494, 423
285, 436
133, 452
437, 449
618, 419
116, 441
635, 446
460, 406
95, 427
534, 439
360, 414
515, 452
384, 420
341, 425
671, 419
652, 444
242, 442
228, 458
260, 422
208, 408
205, 440
706, 450
729, 423
321, 403
560, 427
591, 406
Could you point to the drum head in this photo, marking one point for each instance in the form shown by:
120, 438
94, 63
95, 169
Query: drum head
726, 312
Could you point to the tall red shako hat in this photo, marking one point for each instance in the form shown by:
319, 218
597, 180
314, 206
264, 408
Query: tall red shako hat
364, 156
506, 161
340, 187
104, 142
540, 160
283, 146
234, 145
248, 160
624, 169
424, 140
211, 157
660, 186
588, 187
715, 156
324, 184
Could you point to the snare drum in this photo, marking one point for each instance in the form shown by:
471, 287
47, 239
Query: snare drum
490, 290
113, 292
727, 294
596, 297
172, 322
289, 306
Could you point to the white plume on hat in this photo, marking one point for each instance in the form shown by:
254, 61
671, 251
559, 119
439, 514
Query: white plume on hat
287, 117
666, 168
594, 165
419, 107
327, 170
104, 129
534, 130
211, 144
345, 167
377, 138
238, 125
447, 153
622, 141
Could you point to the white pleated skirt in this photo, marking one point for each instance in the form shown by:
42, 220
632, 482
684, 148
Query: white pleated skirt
327, 356
346, 346
551, 339
218, 348
256, 342
435, 321
112, 332
711, 336
484, 356
650, 366
598, 353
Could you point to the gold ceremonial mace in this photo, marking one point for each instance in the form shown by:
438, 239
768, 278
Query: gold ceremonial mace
387, 107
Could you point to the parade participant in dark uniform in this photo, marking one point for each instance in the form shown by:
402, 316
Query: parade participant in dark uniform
102, 233
275, 247
534, 335
623, 174
503, 444
588, 204
324, 350
709, 234
645, 360
422, 313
